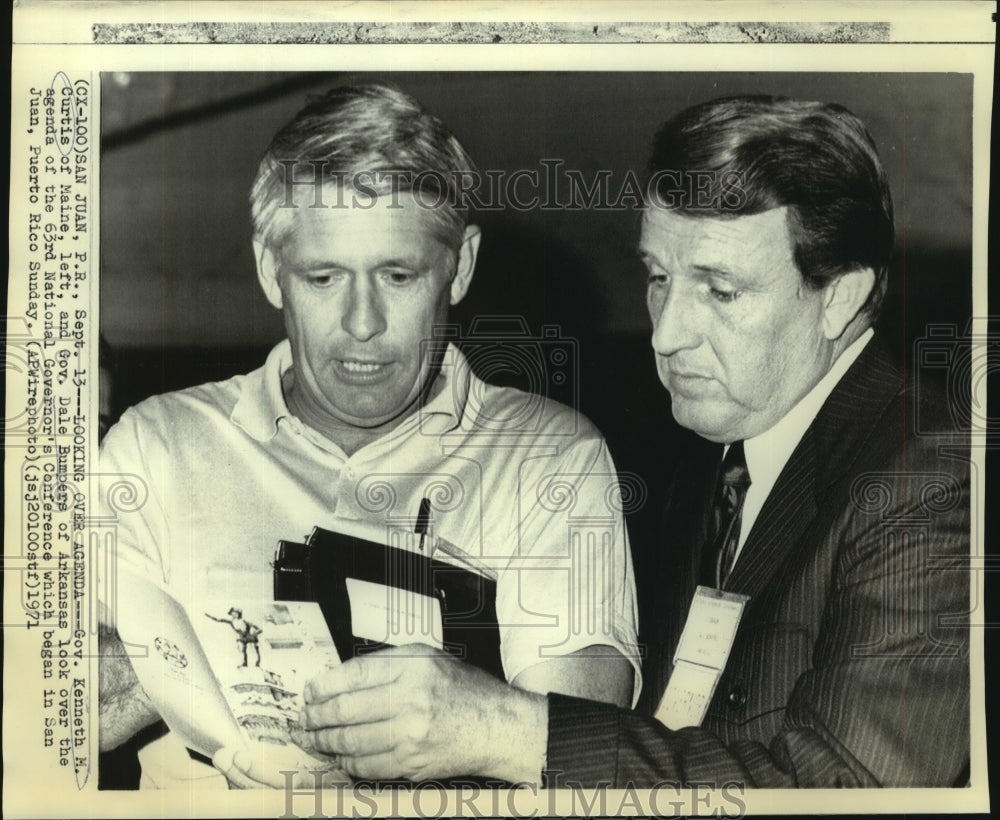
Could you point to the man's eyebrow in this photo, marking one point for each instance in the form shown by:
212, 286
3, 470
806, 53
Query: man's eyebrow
328, 264
310, 264
717, 270
400, 262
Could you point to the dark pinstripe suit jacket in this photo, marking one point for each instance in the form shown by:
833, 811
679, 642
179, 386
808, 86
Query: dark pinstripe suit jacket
850, 667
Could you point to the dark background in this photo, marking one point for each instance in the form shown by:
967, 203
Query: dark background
180, 151
180, 303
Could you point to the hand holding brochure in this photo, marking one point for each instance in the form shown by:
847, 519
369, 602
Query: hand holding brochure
228, 675
234, 670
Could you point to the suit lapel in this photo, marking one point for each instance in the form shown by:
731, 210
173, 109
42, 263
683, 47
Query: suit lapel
824, 454
787, 512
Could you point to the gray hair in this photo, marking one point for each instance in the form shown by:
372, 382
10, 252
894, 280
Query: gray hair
372, 139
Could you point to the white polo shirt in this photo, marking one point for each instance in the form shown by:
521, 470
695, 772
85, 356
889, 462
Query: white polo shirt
204, 482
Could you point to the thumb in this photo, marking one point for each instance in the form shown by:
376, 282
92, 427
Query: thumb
235, 764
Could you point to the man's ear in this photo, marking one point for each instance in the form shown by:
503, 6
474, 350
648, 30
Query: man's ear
267, 272
843, 299
466, 263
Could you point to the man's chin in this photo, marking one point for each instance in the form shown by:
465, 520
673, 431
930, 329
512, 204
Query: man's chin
362, 419
374, 411
699, 418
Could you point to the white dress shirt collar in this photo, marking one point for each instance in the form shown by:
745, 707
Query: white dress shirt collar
767, 453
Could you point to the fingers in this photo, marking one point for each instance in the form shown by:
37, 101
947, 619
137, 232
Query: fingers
348, 708
364, 672
378, 712
237, 774
352, 675
263, 766
382, 766
355, 741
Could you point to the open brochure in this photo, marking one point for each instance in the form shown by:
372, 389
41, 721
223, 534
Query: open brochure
235, 670
231, 674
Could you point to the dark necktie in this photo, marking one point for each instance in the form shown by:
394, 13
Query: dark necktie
727, 513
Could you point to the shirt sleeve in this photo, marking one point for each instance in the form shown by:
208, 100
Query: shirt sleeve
569, 583
131, 506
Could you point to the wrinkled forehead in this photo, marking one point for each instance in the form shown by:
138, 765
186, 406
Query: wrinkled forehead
364, 236
679, 223
406, 214
745, 242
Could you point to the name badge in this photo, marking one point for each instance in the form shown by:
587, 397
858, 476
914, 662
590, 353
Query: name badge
701, 656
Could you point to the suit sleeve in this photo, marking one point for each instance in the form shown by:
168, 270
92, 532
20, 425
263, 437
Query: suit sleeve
885, 701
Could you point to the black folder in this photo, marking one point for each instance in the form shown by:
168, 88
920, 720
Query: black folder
318, 570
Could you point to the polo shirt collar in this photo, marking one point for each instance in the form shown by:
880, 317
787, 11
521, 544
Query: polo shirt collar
452, 397
261, 402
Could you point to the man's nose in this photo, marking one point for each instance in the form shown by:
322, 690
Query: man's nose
674, 323
364, 317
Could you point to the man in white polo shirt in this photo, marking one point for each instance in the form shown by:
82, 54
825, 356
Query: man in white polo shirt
364, 412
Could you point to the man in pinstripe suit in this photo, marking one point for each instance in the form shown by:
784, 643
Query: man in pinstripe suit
767, 237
